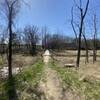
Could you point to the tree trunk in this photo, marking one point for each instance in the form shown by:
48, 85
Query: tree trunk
94, 41
86, 47
94, 50
33, 49
10, 50
79, 43
11, 90
79, 51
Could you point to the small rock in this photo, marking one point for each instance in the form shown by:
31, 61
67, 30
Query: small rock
69, 65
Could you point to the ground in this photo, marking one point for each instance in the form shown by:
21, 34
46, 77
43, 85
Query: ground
51, 85
69, 57
53, 81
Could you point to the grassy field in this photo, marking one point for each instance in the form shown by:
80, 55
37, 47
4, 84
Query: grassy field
26, 82
85, 68
87, 88
83, 83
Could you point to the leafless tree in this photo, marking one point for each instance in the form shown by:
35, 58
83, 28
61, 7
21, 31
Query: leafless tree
44, 37
31, 38
94, 37
10, 8
74, 25
83, 12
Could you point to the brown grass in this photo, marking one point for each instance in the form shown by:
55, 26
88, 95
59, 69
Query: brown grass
19, 60
86, 69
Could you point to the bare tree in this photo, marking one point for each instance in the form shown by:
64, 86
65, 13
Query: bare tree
56, 42
83, 12
31, 38
74, 25
44, 37
94, 37
10, 8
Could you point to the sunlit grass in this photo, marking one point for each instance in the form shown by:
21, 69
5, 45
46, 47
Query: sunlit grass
26, 82
88, 88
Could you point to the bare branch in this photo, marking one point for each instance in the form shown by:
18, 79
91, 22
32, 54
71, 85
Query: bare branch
87, 5
73, 24
76, 4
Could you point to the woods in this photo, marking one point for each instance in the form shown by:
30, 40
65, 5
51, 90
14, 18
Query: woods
26, 33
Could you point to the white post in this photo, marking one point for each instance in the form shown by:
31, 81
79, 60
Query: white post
46, 56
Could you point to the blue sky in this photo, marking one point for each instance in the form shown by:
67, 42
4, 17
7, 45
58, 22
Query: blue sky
55, 14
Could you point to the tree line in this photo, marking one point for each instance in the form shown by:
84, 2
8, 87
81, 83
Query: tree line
31, 41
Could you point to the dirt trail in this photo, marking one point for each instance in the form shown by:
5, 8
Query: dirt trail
51, 85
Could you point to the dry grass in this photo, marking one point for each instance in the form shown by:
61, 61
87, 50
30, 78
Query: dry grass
86, 69
74, 52
18, 60
85, 81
